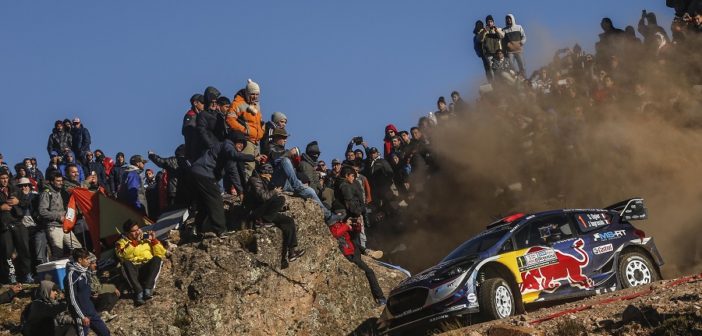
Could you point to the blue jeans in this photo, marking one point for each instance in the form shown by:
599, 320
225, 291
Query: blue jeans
284, 176
516, 58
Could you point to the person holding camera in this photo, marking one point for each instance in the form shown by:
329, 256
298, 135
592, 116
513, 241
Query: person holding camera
141, 258
491, 39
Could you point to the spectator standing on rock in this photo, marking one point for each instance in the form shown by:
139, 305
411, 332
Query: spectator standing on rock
189, 128
132, 191
205, 175
116, 174
77, 285
141, 258
235, 170
514, 41
60, 140
491, 39
390, 132
380, 175
478, 48
33, 172
648, 27
16, 235
177, 168
278, 120
267, 204
27, 208
80, 138
9, 230
244, 116
211, 127
52, 213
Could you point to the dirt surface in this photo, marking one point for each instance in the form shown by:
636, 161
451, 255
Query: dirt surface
669, 307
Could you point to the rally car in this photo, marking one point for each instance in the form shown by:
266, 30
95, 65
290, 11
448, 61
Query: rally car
528, 258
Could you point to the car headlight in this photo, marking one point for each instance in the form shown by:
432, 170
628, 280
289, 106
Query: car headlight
454, 271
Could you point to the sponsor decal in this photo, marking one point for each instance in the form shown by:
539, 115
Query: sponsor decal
593, 220
436, 318
603, 249
454, 308
567, 267
536, 259
447, 287
609, 235
472, 298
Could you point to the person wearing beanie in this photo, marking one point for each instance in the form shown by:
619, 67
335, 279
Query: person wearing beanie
308, 165
266, 204
491, 39
244, 116
442, 114
189, 128
514, 41
278, 120
211, 127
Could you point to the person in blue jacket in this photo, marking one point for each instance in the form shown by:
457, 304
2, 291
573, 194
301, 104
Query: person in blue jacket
78, 292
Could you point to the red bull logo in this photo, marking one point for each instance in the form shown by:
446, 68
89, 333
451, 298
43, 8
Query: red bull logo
544, 268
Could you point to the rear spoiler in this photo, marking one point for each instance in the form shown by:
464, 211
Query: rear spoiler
631, 209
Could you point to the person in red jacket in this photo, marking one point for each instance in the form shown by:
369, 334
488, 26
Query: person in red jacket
390, 132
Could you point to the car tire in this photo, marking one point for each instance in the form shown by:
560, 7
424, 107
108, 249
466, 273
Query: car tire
496, 299
636, 269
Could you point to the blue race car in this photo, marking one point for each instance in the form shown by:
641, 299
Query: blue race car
527, 258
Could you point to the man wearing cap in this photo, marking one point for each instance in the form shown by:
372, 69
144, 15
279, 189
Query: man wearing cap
80, 138
27, 207
205, 175
211, 126
266, 204
59, 140
52, 213
278, 120
54, 162
244, 116
131, 190
284, 175
13, 234
189, 128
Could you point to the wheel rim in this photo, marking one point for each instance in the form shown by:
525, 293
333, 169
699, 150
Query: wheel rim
637, 273
503, 301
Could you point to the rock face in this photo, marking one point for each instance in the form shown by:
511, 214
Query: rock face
234, 286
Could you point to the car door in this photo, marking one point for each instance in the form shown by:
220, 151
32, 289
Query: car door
552, 258
600, 242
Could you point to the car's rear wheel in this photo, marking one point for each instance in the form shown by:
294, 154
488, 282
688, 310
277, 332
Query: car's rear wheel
496, 299
636, 269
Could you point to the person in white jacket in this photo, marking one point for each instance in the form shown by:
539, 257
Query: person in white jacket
513, 42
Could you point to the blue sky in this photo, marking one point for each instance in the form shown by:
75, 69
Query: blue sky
337, 69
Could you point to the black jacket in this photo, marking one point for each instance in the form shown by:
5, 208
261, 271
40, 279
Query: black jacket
58, 141
257, 192
80, 140
212, 163
211, 130
8, 217
308, 167
99, 170
190, 135
176, 166
348, 197
379, 173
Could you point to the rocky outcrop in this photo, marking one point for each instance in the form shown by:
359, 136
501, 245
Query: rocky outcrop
234, 286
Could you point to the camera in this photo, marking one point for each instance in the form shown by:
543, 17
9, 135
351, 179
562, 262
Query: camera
357, 140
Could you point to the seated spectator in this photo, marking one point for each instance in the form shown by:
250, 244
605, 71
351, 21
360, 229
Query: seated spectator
10, 293
307, 166
141, 258
104, 296
278, 120
502, 68
284, 175
267, 204
340, 231
77, 285
45, 314
52, 213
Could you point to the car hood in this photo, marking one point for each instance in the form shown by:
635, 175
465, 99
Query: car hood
424, 278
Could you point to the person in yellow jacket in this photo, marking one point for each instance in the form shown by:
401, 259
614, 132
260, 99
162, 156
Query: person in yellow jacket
141, 260
244, 115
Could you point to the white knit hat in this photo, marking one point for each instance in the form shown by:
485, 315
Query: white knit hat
252, 87
278, 116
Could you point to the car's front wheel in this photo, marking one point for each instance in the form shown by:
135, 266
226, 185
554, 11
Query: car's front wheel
496, 299
636, 269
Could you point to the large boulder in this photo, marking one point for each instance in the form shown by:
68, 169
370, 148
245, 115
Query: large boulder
234, 286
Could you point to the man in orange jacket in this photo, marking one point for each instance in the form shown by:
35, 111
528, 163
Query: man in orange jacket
244, 116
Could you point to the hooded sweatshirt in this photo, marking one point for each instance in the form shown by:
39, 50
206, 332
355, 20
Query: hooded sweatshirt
308, 165
513, 33
387, 146
42, 311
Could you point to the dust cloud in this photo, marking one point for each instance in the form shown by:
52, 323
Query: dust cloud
516, 150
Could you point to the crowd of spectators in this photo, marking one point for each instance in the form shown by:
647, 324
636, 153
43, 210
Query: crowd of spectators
229, 152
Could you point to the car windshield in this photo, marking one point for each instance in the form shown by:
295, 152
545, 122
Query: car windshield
477, 244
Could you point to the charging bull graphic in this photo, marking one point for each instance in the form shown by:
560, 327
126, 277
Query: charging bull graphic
544, 268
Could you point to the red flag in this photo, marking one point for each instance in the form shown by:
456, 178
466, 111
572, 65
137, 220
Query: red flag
71, 216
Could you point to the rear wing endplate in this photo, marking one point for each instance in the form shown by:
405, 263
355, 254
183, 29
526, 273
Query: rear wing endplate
631, 209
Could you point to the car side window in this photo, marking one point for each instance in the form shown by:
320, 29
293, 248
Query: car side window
589, 221
544, 230
507, 246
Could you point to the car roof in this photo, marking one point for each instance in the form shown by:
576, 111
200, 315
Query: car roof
519, 218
